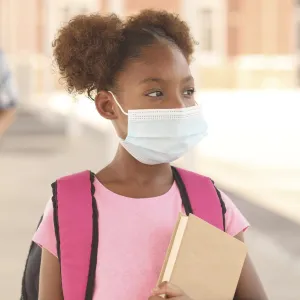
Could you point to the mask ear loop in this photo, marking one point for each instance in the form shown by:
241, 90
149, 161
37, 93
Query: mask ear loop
122, 110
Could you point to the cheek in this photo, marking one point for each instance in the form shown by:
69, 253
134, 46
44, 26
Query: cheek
121, 126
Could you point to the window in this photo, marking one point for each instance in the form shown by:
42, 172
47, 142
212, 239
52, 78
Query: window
206, 29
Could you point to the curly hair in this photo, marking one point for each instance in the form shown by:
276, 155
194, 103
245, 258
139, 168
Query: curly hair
91, 49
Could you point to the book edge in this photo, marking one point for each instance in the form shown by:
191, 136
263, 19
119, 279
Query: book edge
169, 250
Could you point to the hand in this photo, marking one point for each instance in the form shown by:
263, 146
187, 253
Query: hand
170, 290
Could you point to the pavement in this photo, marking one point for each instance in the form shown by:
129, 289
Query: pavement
33, 153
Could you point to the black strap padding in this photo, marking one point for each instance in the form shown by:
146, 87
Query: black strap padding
95, 240
185, 198
222, 205
183, 193
55, 218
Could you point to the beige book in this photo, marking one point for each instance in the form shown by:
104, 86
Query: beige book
203, 261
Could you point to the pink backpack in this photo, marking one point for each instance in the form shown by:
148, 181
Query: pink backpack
76, 228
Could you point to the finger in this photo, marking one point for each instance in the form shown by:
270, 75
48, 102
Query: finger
155, 298
167, 289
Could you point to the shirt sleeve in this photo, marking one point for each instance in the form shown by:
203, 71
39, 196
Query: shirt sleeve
45, 234
235, 222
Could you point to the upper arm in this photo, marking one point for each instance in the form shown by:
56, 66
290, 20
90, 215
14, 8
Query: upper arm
235, 222
249, 286
50, 280
45, 234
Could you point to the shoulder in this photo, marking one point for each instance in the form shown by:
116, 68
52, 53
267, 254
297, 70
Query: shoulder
190, 176
45, 234
235, 221
81, 175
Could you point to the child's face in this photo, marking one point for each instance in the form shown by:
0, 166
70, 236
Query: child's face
159, 78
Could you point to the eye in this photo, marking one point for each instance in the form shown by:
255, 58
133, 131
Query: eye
189, 92
155, 94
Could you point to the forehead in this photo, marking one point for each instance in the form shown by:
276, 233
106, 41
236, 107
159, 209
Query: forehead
159, 60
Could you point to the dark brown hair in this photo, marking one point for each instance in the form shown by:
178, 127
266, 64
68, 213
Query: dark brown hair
91, 49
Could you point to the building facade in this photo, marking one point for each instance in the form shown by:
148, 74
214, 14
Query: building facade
243, 44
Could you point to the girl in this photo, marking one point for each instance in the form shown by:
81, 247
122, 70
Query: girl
136, 70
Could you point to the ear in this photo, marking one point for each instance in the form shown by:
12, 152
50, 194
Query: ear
105, 105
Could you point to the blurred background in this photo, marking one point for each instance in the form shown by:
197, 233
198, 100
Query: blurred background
247, 70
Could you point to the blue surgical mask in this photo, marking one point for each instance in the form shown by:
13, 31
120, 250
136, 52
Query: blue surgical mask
157, 136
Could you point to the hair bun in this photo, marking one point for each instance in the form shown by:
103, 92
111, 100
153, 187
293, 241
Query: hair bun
81, 44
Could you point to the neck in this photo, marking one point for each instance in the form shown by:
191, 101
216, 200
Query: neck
127, 168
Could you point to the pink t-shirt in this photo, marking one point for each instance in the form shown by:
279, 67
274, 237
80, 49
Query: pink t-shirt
133, 238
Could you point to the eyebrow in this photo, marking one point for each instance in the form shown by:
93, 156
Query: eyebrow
154, 79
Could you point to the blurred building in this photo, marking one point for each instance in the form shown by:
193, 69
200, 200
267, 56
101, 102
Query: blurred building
245, 44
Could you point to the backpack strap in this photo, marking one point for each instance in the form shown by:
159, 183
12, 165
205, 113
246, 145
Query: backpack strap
200, 197
76, 229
